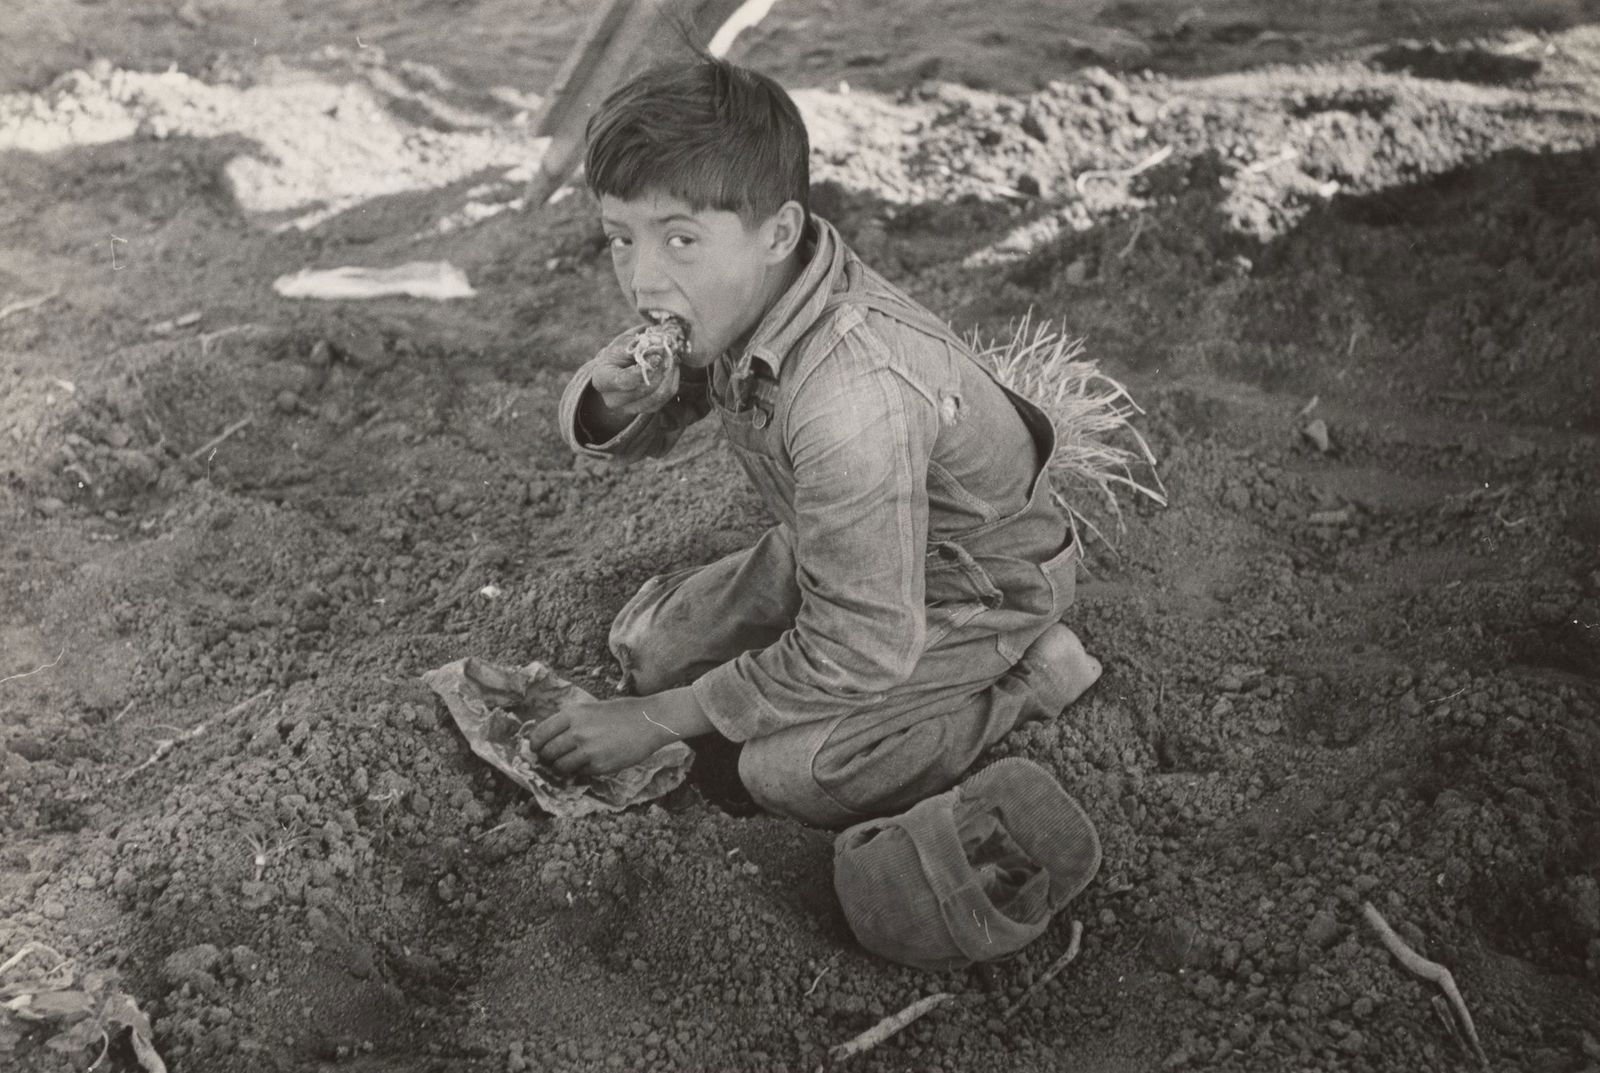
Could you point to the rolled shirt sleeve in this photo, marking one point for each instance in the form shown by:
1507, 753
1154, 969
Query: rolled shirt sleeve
859, 438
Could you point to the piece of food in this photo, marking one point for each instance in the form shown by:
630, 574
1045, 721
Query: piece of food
658, 345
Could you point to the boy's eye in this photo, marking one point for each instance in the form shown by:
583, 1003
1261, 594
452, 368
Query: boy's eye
680, 241
616, 242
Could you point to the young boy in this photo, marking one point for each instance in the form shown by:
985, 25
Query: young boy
904, 613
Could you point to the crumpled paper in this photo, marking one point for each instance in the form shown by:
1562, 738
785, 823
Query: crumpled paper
495, 705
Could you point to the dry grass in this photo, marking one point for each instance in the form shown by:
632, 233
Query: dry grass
1098, 450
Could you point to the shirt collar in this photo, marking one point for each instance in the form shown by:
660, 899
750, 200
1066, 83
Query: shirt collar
799, 307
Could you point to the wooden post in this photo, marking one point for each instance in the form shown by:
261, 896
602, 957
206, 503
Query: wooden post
563, 97
617, 42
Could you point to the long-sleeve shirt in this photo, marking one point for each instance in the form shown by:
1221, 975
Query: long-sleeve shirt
904, 471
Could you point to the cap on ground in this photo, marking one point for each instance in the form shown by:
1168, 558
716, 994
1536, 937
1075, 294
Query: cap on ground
972, 874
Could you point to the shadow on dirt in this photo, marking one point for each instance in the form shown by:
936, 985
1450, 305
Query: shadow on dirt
1541, 903
1455, 65
144, 178
1052, 39
1464, 292
805, 42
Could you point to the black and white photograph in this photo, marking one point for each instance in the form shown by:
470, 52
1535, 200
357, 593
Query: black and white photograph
799, 536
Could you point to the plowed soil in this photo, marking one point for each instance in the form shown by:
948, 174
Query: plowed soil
1346, 256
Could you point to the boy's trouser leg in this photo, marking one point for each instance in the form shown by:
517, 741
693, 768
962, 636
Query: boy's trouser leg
963, 698
680, 625
965, 694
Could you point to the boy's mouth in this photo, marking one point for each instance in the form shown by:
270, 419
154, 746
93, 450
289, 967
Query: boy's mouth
664, 316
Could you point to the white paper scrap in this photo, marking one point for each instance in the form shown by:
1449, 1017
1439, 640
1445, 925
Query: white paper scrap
418, 279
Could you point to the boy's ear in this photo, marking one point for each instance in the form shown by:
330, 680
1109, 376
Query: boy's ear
784, 230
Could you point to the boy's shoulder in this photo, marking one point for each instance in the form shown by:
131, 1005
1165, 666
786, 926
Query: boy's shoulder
872, 329
854, 316
867, 303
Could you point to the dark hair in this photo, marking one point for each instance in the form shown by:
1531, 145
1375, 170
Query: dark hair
708, 132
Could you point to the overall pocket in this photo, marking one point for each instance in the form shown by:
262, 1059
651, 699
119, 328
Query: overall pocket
746, 408
1061, 570
958, 589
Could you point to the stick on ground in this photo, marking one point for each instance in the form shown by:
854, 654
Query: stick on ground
1052, 972
888, 1027
166, 745
207, 338
1125, 173
217, 440
36, 670
1428, 970
22, 305
1138, 229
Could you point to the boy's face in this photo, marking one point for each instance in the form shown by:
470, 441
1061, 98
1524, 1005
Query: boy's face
703, 265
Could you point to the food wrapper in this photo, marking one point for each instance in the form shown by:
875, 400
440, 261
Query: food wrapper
495, 706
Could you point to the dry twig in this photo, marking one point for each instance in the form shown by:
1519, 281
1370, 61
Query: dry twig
22, 305
821, 974
1428, 970
166, 745
1051, 973
888, 1027
217, 440
207, 338
1138, 229
1124, 173
1271, 162
36, 670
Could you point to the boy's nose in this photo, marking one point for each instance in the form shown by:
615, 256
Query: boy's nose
648, 280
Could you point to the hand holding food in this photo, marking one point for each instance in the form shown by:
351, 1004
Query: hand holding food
638, 372
656, 348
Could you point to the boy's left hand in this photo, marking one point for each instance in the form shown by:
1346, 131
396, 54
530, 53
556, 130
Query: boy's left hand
599, 737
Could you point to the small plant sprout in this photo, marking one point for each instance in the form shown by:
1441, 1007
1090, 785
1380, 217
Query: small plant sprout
260, 857
262, 854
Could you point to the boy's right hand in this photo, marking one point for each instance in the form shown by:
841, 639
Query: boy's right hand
620, 382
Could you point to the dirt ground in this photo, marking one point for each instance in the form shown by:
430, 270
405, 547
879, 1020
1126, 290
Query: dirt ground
1345, 254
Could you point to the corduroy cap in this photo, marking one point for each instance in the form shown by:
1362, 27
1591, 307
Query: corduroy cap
972, 874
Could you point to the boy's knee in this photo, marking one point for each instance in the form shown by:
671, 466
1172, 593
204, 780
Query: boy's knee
778, 770
646, 657
816, 775
785, 774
